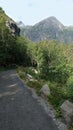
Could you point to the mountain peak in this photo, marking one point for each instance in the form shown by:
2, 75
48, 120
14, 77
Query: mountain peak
52, 18
49, 28
51, 21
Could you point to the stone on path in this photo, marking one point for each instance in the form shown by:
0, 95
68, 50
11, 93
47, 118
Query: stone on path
45, 90
67, 112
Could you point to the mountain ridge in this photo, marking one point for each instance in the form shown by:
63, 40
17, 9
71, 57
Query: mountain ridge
48, 29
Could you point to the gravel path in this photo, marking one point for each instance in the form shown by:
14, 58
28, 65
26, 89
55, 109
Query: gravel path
19, 110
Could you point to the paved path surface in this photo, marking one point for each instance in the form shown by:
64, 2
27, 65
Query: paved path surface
19, 110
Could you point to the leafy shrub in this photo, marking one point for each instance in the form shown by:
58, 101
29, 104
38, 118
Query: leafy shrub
70, 87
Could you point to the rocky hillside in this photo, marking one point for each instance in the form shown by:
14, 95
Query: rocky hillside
50, 29
5, 21
13, 47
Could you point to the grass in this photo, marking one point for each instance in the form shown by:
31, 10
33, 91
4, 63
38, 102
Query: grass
57, 97
30, 70
71, 128
36, 84
58, 93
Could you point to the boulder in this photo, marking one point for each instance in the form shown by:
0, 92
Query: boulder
67, 112
45, 90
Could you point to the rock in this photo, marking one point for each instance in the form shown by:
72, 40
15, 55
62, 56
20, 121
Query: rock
62, 126
45, 90
13, 27
35, 71
67, 112
30, 78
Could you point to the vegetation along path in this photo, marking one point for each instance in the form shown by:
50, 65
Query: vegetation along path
19, 110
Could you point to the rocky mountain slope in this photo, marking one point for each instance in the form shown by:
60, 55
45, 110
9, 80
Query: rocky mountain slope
48, 29
5, 21
13, 47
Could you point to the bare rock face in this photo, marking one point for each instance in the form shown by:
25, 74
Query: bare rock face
45, 90
13, 27
67, 112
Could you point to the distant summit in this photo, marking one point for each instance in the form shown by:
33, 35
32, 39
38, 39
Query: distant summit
48, 29
51, 21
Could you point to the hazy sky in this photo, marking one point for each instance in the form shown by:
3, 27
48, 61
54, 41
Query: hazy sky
33, 11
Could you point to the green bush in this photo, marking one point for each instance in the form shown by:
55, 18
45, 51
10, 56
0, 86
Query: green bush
70, 87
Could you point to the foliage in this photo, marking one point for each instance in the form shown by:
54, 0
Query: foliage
13, 50
70, 87
21, 50
57, 94
7, 46
55, 64
36, 84
71, 127
51, 61
32, 52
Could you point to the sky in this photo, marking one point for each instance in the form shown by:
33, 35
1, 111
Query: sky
31, 12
